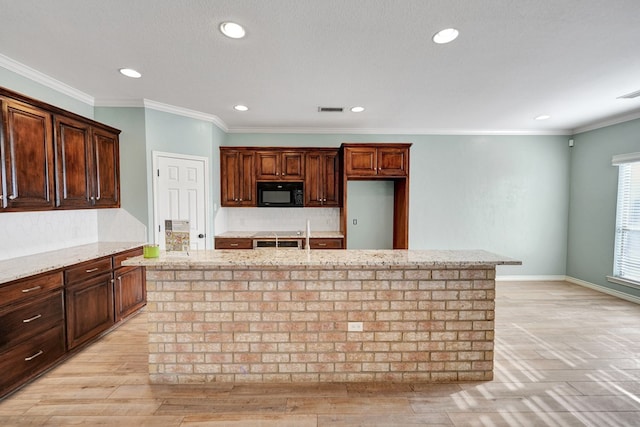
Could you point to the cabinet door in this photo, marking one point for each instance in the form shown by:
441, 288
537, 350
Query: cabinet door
106, 160
313, 183
393, 161
360, 161
237, 178
74, 163
89, 309
321, 186
331, 180
268, 165
130, 291
292, 165
28, 157
276, 165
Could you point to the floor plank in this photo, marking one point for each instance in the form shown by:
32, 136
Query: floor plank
564, 356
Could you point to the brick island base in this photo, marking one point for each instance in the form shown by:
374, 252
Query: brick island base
291, 323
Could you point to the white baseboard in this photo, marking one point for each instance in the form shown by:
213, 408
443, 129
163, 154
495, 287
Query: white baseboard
599, 288
502, 278
603, 289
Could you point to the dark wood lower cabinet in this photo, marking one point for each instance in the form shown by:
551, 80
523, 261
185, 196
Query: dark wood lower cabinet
24, 361
130, 291
46, 317
89, 309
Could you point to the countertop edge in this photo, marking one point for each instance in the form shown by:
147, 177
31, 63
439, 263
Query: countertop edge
30, 265
322, 258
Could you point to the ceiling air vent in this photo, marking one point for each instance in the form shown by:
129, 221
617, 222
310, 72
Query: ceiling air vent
330, 109
630, 95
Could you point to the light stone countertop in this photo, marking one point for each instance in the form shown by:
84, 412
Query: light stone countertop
314, 257
281, 234
18, 268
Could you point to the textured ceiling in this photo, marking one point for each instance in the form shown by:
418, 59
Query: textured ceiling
513, 60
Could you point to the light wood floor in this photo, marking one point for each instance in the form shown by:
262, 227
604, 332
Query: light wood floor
565, 356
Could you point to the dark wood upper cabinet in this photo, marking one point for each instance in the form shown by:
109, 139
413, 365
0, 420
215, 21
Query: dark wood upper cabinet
275, 165
237, 177
376, 160
322, 179
73, 163
52, 158
106, 168
27, 157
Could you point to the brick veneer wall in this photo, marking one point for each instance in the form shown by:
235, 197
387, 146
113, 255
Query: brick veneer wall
289, 324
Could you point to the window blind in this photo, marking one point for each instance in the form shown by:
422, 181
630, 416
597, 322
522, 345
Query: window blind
627, 242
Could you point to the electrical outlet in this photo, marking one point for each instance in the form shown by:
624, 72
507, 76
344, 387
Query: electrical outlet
354, 327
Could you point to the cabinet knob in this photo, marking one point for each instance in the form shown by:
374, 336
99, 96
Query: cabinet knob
240, 199
235, 200
324, 200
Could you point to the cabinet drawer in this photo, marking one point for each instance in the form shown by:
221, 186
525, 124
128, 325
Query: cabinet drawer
30, 288
326, 243
30, 319
119, 258
86, 270
233, 243
23, 361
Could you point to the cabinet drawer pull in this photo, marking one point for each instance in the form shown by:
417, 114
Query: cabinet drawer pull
233, 244
322, 244
35, 288
40, 353
31, 319
91, 270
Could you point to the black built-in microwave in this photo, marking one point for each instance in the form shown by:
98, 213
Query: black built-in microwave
280, 194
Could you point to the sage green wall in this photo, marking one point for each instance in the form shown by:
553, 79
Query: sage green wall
592, 203
25, 86
133, 159
173, 133
505, 194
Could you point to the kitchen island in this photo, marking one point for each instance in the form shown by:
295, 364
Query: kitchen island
286, 315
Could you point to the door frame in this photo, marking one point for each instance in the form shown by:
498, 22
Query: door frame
156, 155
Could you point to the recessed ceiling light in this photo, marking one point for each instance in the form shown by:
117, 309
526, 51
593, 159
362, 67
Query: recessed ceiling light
232, 30
241, 107
445, 36
130, 72
543, 117
357, 109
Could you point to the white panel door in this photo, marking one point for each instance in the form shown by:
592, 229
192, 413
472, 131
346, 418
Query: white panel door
181, 194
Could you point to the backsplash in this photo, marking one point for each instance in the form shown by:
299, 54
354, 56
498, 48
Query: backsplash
277, 219
28, 233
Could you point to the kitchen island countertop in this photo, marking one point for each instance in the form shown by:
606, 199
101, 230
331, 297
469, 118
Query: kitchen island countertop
314, 257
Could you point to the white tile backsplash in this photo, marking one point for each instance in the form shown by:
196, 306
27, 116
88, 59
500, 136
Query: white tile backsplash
118, 225
277, 219
29, 233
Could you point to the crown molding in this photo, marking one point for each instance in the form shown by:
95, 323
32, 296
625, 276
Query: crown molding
122, 103
154, 105
43, 79
608, 122
384, 131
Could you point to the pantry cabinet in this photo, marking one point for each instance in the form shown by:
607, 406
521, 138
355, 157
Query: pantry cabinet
54, 159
